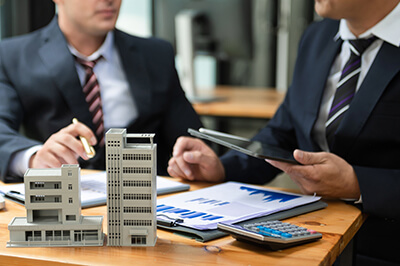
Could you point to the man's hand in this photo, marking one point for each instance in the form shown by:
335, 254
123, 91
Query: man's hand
63, 147
194, 160
325, 174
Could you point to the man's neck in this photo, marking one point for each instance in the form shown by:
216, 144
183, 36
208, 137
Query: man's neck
84, 44
369, 16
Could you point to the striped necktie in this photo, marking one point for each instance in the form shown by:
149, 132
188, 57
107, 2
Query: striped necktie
346, 87
91, 89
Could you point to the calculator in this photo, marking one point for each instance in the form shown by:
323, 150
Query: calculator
273, 234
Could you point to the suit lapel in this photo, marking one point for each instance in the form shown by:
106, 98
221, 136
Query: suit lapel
384, 68
136, 73
60, 63
313, 97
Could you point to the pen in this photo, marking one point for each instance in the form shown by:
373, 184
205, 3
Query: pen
171, 222
14, 192
88, 148
15, 196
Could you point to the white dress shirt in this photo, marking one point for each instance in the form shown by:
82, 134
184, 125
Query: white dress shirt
119, 108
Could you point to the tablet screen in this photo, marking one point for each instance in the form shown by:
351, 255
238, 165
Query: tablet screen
252, 148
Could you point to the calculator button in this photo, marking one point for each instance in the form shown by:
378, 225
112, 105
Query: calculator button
269, 234
266, 229
287, 235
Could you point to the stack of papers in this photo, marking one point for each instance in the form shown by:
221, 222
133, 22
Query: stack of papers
93, 189
229, 202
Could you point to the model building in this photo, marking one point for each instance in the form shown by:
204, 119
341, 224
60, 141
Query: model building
53, 207
131, 188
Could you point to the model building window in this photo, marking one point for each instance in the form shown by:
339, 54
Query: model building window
66, 235
49, 235
138, 240
90, 234
57, 235
28, 235
70, 218
37, 235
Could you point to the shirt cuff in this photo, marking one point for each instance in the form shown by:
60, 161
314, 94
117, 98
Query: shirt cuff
19, 162
359, 201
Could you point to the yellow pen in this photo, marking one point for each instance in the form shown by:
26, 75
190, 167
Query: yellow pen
88, 148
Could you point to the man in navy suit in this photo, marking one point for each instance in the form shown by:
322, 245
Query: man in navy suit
362, 161
41, 89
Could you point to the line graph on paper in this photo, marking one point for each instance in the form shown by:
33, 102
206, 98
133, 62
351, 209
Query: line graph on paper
228, 202
270, 195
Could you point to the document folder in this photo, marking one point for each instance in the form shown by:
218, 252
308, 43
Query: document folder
207, 235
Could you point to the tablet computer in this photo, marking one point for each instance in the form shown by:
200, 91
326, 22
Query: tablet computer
250, 147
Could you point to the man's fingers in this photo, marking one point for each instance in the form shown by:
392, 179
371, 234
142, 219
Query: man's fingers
63, 147
174, 169
172, 172
65, 153
49, 159
68, 138
192, 157
58, 151
280, 165
186, 144
45, 161
185, 167
180, 146
80, 129
307, 158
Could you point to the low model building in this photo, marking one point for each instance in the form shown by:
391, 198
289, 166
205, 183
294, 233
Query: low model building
53, 206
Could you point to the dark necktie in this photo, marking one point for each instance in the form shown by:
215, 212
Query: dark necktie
91, 89
346, 87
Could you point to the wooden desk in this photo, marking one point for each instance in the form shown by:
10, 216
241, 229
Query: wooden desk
242, 102
338, 223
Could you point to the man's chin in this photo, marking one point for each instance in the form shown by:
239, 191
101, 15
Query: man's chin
104, 28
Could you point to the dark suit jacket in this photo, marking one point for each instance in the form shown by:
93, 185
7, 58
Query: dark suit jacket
40, 92
368, 137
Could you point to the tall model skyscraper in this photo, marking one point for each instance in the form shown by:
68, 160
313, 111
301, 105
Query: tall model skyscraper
131, 188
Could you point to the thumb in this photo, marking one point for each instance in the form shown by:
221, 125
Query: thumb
305, 158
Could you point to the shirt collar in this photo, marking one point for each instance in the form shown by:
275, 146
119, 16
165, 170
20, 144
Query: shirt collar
105, 49
387, 29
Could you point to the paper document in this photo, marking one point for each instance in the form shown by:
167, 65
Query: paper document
229, 202
93, 189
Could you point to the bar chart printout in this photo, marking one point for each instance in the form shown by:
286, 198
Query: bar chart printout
229, 202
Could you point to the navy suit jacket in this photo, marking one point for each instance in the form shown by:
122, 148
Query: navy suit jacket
40, 92
368, 137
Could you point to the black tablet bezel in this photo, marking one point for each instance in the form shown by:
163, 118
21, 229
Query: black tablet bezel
249, 147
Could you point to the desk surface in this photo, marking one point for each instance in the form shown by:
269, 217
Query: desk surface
242, 102
338, 223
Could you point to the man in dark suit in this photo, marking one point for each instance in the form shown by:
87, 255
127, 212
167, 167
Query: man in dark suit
41, 90
361, 160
